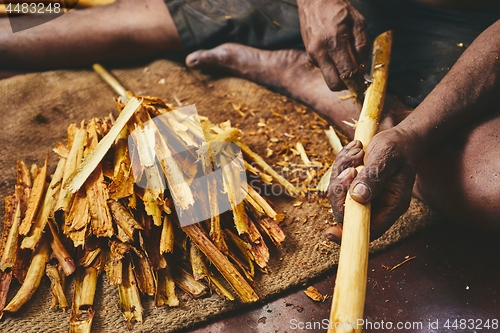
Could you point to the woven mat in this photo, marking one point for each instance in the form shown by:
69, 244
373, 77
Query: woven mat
60, 98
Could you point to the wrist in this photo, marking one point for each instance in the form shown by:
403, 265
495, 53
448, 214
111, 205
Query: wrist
413, 143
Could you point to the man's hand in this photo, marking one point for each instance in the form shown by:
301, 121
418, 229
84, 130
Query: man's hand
386, 180
334, 35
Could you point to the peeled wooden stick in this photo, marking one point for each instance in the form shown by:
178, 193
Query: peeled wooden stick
89, 164
350, 286
110, 79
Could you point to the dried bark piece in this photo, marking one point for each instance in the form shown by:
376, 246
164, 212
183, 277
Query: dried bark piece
82, 313
5, 280
314, 294
231, 179
152, 248
165, 293
72, 161
23, 186
35, 199
262, 202
97, 193
272, 229
124, 219
228, 271
243, 252
179, 189
114, 264
33, 277
259, 250
59, 250
167, 236
46, 210
187, 282
56, 286
77, 219
130, 299
144, 272
197, 264
9, 252
10, 211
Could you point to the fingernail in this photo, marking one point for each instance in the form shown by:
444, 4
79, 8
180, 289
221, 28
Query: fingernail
361, 191
333, 234
350, 145
344, 173
353, 152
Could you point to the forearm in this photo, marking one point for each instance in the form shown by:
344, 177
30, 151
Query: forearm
123, 30
469, 89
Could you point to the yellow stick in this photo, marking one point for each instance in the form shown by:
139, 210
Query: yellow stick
350, 286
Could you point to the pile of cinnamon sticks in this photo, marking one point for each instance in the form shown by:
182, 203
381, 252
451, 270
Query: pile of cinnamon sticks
117, 203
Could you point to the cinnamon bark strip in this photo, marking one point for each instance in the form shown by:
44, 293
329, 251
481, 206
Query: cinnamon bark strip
165, 293
123, 218
56, 286
35, 199
5, 280
62, 255
144, 272
72, 161
46, 210
33, 277
82, 313
187, 282
167, 236
130, 298
97, 192
220, 261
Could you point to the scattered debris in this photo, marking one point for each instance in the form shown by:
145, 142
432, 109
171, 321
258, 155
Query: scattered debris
314, 294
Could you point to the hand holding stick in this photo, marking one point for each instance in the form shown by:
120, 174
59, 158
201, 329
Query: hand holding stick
350, 286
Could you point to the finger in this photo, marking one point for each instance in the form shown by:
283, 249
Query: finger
341, 51
334, 233
371, 179
337, 191
360, 38
350, 156
330, 74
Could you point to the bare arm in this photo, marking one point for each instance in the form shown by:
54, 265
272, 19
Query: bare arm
470, 89
126, 29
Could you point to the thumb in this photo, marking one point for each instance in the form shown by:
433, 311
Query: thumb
369, 182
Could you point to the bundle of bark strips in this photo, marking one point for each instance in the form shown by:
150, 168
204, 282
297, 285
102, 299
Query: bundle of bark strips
93, 216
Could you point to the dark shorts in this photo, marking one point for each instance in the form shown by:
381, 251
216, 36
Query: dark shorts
427, 41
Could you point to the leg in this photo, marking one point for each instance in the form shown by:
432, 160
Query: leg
289, 72
126, 29
461, 177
